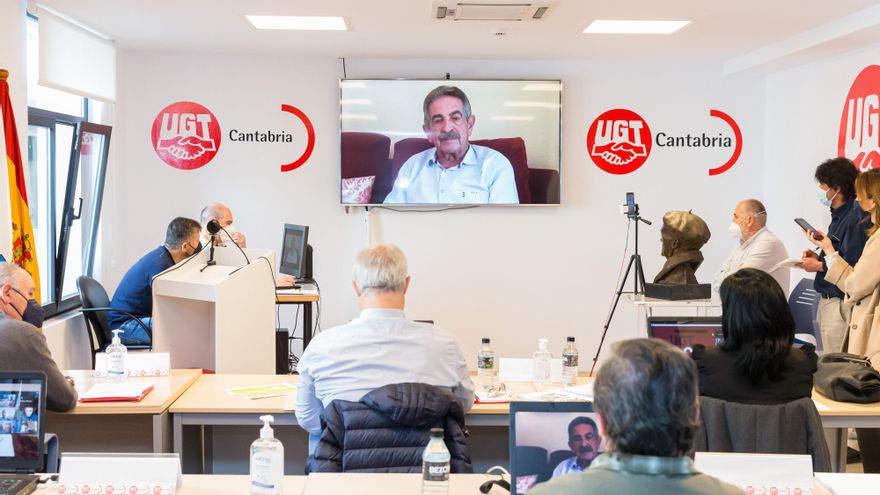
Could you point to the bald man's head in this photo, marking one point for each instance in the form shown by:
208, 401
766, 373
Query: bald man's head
754, 208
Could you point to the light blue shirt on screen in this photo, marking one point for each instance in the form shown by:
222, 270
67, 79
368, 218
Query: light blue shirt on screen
567, 466
378, 348
483, 176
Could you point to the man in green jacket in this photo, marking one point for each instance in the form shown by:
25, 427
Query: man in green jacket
648, 434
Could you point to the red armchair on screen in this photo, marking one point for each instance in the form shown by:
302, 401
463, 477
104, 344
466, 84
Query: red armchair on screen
366, 154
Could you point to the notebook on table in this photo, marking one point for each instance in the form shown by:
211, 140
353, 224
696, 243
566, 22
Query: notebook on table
22, 426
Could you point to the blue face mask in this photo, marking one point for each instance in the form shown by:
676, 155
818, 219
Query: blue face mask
823, 197
33, 313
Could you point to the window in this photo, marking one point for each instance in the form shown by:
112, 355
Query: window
67, 163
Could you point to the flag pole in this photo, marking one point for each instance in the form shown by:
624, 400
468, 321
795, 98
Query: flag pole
4, 74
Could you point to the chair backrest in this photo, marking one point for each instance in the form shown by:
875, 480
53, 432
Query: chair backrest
93, 295
514, 149
365, 154
788, 428
804, 304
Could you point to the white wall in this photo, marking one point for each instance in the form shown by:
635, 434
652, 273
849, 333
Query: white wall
512, 274
13, 59
804, 108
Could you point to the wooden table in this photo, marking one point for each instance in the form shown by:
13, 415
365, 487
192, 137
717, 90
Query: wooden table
194, 484
121, 426
838, 417
306, 301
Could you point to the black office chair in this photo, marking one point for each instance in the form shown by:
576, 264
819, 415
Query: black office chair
95, 304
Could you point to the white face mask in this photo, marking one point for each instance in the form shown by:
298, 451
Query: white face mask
735, 231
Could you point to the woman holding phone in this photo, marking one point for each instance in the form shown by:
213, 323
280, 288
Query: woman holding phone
861, 287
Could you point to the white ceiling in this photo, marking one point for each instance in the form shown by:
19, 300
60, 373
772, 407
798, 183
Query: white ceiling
719, 30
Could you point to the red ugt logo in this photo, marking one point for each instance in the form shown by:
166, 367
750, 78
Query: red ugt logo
619, 141
186, 135
859, 137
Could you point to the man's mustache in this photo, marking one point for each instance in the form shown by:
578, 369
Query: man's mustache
585, 450
446, 136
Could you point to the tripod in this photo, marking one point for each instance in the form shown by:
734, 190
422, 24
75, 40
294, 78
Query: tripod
635, 265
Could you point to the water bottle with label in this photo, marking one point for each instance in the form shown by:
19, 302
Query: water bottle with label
486, 366
570, 364
541, 362
116, 358
435, 465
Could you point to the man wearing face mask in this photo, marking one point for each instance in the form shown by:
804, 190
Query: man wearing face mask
134, 294
22, 345
848, 234
223, 215
758, 247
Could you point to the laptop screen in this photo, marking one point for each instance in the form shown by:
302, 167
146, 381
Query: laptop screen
551, 439
686, 332
22, 410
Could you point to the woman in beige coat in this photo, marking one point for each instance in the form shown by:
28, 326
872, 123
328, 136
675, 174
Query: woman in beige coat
861, 284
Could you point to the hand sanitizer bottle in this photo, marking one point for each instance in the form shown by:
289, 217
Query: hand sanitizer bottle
267, 461
541, 362
116, 358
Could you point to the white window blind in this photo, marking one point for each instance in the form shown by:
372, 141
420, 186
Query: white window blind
75, 60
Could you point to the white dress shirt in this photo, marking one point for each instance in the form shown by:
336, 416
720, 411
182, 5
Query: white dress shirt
762, 251
378, 348
483, 176
568, 466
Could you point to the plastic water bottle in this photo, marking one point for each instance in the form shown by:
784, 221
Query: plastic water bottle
267, 461
435, 465
570, 364
116, 358
486, 366
541, 362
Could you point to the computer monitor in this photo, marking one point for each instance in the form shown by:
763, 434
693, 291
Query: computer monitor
541, 447
22, 420
685, 332
293, 250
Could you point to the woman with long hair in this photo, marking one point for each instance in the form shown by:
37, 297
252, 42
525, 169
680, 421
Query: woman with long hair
756, 363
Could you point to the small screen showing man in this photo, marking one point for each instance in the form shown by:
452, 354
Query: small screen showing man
583, 441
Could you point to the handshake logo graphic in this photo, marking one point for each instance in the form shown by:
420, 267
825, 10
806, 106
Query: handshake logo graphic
186, 135
619, 141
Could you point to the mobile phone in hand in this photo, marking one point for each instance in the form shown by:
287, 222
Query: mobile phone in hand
809, 228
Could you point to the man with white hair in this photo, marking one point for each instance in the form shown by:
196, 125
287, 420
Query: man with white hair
22, 345
758, 247
380, 347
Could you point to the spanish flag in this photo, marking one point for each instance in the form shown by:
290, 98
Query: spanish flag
23, 249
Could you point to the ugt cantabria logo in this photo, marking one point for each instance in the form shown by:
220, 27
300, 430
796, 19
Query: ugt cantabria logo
859, 137
619, 141
186, 135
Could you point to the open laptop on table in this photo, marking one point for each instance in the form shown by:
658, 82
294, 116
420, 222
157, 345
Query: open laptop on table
685, 332
22, 427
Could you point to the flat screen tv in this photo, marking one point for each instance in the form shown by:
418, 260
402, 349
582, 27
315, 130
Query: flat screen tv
450, 142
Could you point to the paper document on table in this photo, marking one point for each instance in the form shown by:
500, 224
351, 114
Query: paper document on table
820, 406
789, 263
263, 391
289, 402
305, 290
117, 391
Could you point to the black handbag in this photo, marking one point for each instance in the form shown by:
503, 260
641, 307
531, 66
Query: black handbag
846, 377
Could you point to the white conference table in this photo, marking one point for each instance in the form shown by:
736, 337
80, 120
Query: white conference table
408, 484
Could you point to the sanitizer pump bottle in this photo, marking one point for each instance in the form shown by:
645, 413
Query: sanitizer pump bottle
267, 461
116, 358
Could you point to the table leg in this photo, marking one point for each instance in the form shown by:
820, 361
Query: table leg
307, 324
178, 435
161, 433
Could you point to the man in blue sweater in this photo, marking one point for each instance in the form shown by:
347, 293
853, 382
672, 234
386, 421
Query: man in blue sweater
134, 294
848, 234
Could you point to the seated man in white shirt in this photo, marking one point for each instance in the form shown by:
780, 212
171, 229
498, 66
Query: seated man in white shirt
583, 440
379, 347
758, 247
453, 171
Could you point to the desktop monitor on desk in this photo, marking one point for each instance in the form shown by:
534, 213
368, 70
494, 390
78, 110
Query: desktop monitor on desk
296, 254
685, 332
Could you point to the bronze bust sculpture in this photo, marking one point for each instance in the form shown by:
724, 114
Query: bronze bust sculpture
682, 234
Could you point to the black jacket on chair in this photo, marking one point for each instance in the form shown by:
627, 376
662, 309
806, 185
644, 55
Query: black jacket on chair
388, 430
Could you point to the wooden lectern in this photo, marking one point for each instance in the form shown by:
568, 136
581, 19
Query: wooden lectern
221, 318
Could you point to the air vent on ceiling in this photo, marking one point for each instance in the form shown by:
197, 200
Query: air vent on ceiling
488, 11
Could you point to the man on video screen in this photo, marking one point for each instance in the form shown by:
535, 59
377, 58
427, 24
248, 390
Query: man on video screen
583, 440
453, 171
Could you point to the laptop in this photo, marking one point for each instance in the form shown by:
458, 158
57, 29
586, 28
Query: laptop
685, 332
22, 426
540, 445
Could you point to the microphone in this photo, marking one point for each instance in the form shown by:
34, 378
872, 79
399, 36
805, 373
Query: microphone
214, 227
